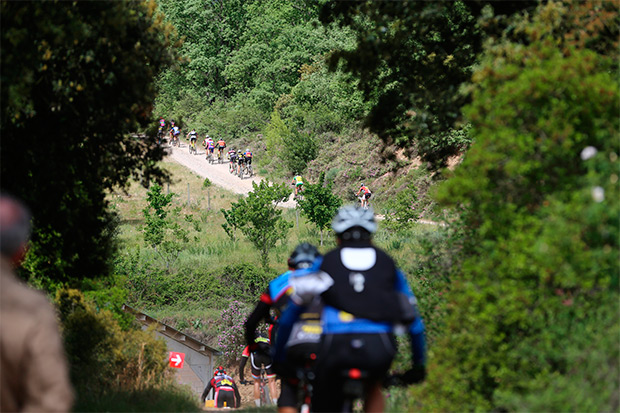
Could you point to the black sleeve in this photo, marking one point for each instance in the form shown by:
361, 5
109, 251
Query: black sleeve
260, 312
241, 367
205, 393
237, 395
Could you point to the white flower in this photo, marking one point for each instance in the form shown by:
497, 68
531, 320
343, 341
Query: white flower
598, 193
588, 152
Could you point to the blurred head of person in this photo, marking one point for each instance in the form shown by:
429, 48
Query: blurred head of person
14, 228
353, 224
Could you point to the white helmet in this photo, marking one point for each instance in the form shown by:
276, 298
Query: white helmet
351, 216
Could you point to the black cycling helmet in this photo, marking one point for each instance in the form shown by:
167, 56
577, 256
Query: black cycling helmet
303, 256
351, 216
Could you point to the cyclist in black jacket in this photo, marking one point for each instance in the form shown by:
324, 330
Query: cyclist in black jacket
365, 300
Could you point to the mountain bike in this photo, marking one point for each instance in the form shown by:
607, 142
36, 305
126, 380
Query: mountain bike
300, 193
263, 386
265, 397
353, 387
304, 389
192, 146
220, 155
246, 169
365, 203
240, 169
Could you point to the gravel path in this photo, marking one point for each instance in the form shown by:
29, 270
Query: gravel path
217, 173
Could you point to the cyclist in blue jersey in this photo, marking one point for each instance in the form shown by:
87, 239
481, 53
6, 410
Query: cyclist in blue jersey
302, 345
365, 299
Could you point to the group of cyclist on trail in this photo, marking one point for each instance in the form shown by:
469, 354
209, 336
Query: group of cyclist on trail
240, 162
211, 145
337, 316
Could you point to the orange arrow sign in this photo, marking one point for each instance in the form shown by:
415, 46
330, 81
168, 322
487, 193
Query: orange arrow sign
176, 359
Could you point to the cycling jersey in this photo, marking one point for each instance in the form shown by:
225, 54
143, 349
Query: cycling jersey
176, 130
225, 390
232, 155
369, 297
193, 135
221, 144
298, 180
259, 357
248, 157
162, 123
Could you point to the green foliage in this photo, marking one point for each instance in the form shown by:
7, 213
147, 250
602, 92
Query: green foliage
258, 218
276, 133
109, 294
299, 149
207, 183
85, 72
165, 398
162, 230
151, 288
411, 59
401, 210
538, 275
104, 358
319, 204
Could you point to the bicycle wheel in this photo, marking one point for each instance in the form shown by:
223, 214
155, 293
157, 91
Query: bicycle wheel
250, 171
265, 399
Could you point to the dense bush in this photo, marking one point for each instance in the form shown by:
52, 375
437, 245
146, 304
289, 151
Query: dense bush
152, 287
106, 361
531, 302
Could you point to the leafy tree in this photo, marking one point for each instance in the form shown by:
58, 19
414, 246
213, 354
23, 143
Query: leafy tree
162, 230
319, 203
76, 82
233, 218
402, 209
276, 133
411, 60
210, 32
538, 279
259, 219
323, 101
299, 149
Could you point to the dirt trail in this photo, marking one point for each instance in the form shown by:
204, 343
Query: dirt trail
217, 173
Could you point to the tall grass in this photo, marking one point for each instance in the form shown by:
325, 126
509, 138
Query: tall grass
168, 398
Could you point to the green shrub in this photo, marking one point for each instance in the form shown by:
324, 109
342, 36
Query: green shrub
537, 277
105, 358
151, 288
299, 149
165, 398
